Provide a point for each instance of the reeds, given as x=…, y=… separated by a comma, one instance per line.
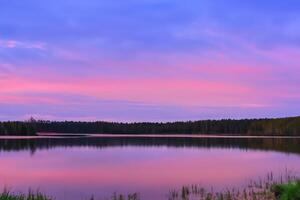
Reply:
x=268, y=188
x=134, y=196
x=7, y=195
x=261, y=189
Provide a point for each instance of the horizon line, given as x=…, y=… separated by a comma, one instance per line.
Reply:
x=151, y=122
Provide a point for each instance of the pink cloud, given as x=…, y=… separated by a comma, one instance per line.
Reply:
x=23, y=99
x=21, y=44
x=185, y=80
x=171, y=91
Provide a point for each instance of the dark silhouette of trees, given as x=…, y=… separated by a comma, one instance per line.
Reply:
x=17, y=128
x=280, y=126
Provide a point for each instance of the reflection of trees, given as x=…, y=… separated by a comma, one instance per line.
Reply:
x=288, y=145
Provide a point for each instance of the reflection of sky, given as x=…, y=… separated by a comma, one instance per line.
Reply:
x=78, y=172
x=140, y=60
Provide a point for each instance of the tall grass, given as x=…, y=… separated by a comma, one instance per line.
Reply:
x=7, y=195
x=269, y=188
x=134, y=196
x=280, y=188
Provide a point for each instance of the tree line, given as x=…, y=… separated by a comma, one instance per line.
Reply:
x=17, y=128
x=280, y=126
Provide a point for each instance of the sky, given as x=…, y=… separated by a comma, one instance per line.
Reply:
x=149, y=60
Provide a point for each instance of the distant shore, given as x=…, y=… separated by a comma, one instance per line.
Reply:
x=164, y=135
x=245, y=127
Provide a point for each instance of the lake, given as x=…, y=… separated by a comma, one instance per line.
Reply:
x=74, y=167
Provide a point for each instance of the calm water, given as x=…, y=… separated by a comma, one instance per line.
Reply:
x=74, y=168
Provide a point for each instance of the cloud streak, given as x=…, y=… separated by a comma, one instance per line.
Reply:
x=23, y=45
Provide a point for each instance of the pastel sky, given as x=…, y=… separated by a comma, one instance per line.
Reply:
x=149, y=60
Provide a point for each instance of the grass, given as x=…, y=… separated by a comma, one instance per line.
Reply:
x=134, y=196
x=270, y=188
x=7, y=195
x=289, y=191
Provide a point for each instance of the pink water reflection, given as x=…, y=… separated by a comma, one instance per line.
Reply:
x=76, y=173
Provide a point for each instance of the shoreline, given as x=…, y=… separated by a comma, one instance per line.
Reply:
x=42, y=135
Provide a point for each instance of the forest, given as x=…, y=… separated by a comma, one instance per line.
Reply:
x=279, y=126
x=17, y=128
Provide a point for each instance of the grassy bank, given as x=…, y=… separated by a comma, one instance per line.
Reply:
x=255, y=191
x=283, y=188
x=289, y=191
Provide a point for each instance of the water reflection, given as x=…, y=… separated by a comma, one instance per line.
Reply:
x=288, y=145
x=73, y=168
